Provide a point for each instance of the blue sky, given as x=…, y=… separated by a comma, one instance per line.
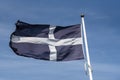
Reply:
x=103, y=30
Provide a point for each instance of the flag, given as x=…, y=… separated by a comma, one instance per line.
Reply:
x=47, y=42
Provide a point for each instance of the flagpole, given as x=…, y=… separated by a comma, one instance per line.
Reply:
x=87, y=57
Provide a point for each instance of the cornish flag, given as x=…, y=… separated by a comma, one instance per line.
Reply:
x=47, y=42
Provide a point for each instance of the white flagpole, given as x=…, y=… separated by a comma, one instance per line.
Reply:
x=87, y=51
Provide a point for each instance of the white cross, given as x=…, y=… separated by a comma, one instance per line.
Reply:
x=50, y=41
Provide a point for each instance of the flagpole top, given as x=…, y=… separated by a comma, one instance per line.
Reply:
x=82, y=15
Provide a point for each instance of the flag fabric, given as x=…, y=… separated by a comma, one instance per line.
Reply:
x=47, y=42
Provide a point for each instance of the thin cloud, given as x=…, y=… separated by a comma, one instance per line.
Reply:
x=94, y=14
x=5, y=32
x=108, y=68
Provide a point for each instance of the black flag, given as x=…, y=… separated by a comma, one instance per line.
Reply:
x=47, y=42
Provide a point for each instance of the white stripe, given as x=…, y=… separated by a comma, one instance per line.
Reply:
x=51, y=32
x=53, y=42
x=53, y=51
